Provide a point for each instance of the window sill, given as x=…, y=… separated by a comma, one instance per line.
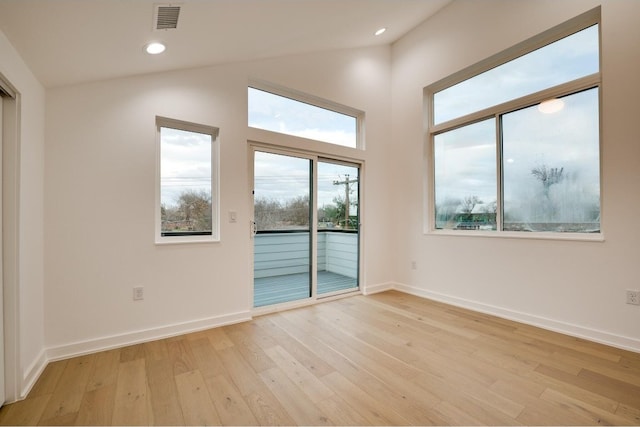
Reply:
x=182, y=240
x=580, y=237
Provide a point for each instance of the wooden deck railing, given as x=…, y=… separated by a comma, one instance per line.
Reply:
x=278, y=254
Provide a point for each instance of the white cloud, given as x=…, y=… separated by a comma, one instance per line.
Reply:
x=279, y=114
x=185, y=163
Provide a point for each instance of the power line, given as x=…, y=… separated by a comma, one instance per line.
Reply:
x=347, y=189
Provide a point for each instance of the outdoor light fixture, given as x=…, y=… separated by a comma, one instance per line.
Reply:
x=155, y=48
x=551, y=106
x=380, y=31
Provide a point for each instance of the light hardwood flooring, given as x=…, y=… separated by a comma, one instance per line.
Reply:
x=385, y=359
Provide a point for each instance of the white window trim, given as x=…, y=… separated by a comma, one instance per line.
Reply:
x=215, y=182
x=574, y=25
x=317, y=102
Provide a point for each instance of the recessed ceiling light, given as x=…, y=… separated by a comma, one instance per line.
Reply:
x=155, y=48
x=380, y=31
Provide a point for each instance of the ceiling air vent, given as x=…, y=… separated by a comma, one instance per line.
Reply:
x=166, y=17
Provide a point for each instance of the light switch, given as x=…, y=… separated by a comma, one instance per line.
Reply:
x=233, y=216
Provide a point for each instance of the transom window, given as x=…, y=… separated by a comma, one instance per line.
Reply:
x=285, y=111
x=514, y=142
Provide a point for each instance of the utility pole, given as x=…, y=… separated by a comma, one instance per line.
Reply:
x=347, y=189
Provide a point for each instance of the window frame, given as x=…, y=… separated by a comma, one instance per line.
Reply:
x=583, y=21
x=160, y=239
x=315, y=101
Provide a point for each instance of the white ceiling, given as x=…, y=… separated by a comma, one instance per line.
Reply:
x=72, y=41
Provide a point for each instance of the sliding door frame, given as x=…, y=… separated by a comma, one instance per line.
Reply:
x=358, y=165
x=14, y=379
x=312, y=222
x=316, y=151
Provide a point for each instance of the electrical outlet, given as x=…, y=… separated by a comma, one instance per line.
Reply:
x=138, y=293
x=633, y=296
x=414, y=265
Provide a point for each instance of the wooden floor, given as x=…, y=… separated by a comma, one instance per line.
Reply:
x=292, y=287
x=385, y=359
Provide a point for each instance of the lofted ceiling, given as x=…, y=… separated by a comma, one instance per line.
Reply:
x=72, y=41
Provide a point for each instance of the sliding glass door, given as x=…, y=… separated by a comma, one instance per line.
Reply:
x=338, y=226
x=282, y=238
x=306, y=227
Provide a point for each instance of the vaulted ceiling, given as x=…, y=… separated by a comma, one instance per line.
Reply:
x=71, y=41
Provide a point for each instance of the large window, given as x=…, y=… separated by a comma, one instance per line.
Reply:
x=187, y=196
x=285, y=111
x=514, y=142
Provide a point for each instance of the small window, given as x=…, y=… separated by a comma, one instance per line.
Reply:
x=515, y=140
x=317, y=119
x=187, y=208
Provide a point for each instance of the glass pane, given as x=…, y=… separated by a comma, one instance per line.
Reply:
x=465, y=177
x=338, y=220
x=281, y=192
x=552, y=166
x=567, y=59
x=280, y=114
x=185, y=182
x=282, y=244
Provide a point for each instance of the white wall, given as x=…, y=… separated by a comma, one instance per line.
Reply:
x=100, y=186
x=576, y=287
x=28, y=292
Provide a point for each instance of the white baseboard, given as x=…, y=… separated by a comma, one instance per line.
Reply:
x=137, y=337
x=374, y=289
x=32, y=373
x=626, y=343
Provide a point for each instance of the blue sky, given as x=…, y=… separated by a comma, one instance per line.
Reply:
x=279, y=114
x=565, y=60
x=569, y=139
x=466, y=158
x=281, y=178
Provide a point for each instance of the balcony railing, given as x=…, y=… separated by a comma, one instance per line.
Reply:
x=281, y=264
